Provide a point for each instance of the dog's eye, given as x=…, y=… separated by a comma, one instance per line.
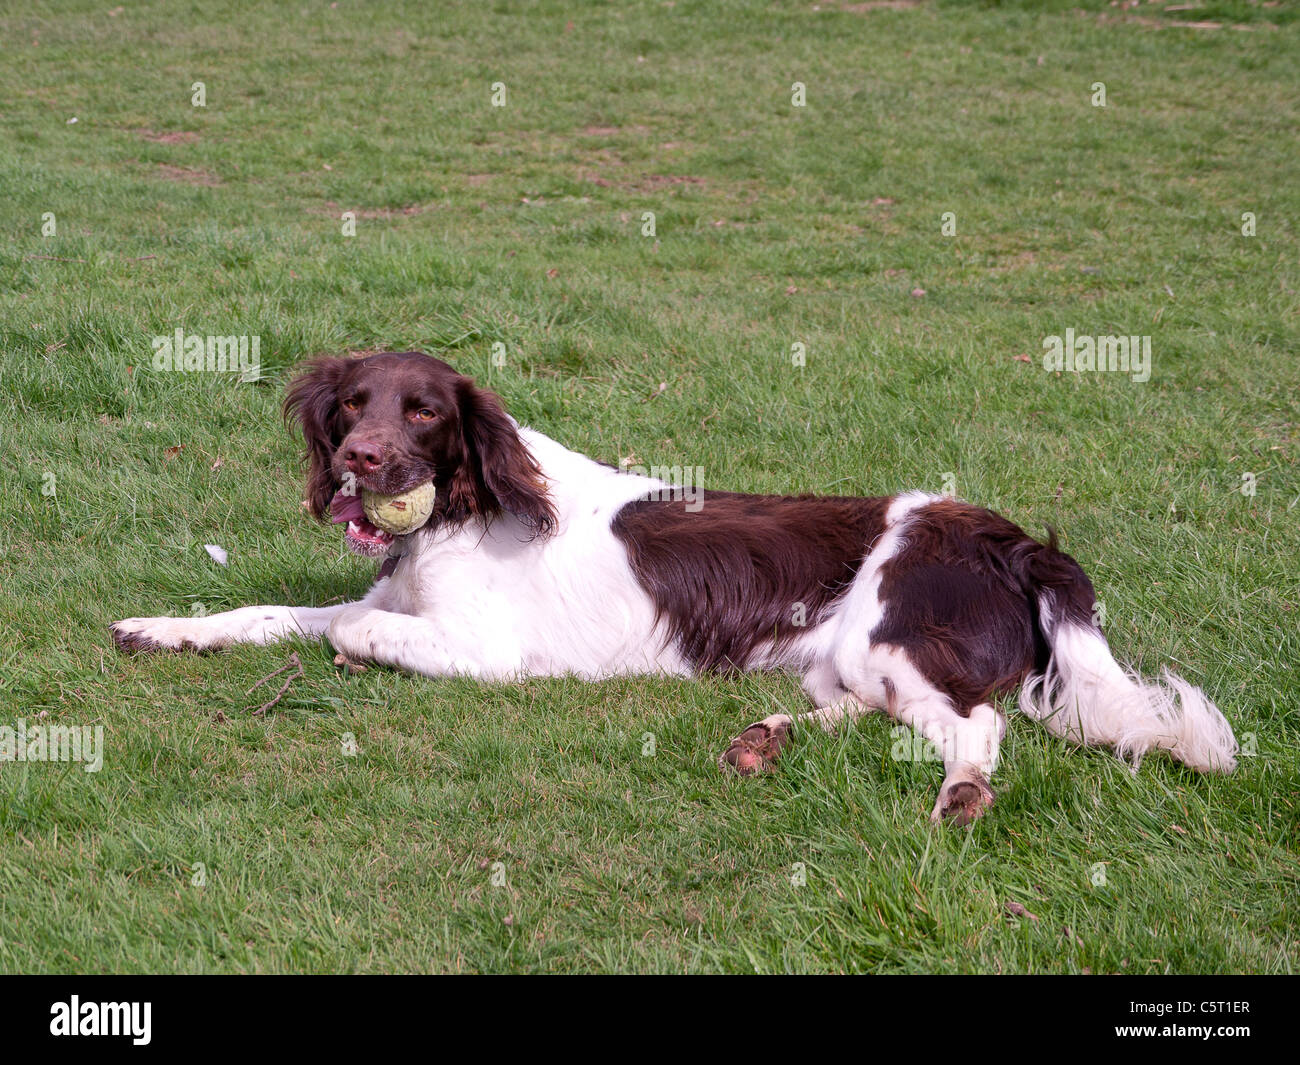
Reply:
x=424, y=414
x=351, y=405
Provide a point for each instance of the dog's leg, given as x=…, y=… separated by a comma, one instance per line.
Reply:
x=758, y=746
x=249, y=624
x=967, y=743
x=885, y=679
x=969, y=759
x=884, y=676
x=419, y=645
x=969, y=748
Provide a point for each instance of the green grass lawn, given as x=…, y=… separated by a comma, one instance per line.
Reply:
x=529, y=827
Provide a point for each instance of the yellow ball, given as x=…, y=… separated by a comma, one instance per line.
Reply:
x=402, y=513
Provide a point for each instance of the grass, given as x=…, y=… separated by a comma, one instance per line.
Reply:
x=523, y=828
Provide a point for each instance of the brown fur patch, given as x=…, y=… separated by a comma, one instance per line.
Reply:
x=962, y=597
x=745, y=569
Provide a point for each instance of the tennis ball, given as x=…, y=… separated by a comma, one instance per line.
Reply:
x=402, y=513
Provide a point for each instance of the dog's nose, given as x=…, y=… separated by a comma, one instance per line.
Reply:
x=363, y=456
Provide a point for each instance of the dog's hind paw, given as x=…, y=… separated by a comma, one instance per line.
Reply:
x=963, y=798
x=756, y=749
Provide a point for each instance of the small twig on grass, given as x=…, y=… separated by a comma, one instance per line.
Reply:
x=348, y=666
x=295, y=664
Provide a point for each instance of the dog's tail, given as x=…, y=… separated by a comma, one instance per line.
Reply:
x=1085, y=696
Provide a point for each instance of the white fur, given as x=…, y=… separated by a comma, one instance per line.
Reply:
x=248, y=624
x=501, y=604
x=493, y=603
x=832, y=655
x=849, y=640
x=1085, y=696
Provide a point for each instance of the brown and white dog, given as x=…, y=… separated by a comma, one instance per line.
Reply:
x=539, y=561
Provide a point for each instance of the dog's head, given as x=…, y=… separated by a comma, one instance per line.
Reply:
x=391, y=421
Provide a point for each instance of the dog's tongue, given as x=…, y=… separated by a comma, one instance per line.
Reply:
x=345, y=507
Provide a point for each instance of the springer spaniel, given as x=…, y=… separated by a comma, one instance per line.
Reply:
x=540, y=561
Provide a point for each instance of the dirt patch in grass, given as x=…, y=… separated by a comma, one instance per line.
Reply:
x=612, y=131
x=664, y=181
x=645, y=182
x=1152, y=23
x=1011, y=262
x=177, y=136
x=188, y=175
x=380, y=212
x=880, y=5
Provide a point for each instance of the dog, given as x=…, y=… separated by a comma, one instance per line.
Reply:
x=539, y=561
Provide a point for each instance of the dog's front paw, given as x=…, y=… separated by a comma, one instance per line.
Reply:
x=349, y=633
x=154, y=634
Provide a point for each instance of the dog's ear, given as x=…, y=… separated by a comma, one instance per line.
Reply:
x=499, y=473
x=313, y=402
